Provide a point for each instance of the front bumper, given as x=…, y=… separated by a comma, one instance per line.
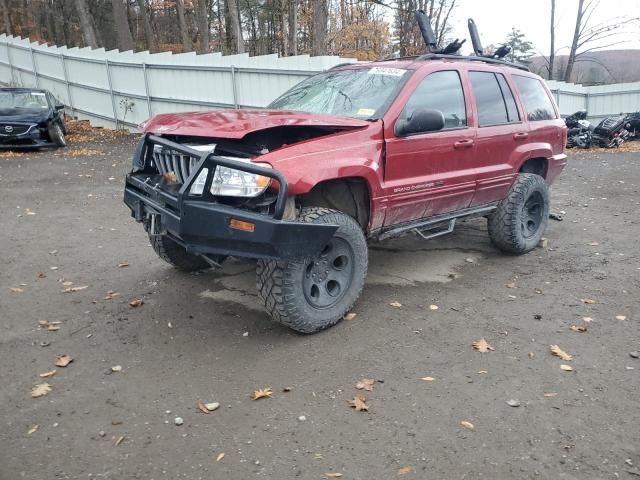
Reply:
x=33, y=138
x=203, y=225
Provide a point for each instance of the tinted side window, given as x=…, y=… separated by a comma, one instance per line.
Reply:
x=491, y=105
x=507, y=94
x=440, y=91
x=535, y=98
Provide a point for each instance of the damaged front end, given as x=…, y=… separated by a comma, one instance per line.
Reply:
x=214, y=201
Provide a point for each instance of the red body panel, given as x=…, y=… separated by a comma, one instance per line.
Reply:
x=408, y=177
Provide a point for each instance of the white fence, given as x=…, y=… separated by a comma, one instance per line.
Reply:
x=112, y=88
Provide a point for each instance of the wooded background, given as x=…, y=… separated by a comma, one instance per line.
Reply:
x=362, y=29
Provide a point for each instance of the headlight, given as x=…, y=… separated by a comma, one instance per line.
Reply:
x=229, y=182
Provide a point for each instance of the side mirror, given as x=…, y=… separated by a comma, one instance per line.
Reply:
x=59, y=106
x=420, y=121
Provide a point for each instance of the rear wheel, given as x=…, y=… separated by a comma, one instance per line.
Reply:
x=176, y=255
x=314, y=293
x=56, y=134
x=520, y=220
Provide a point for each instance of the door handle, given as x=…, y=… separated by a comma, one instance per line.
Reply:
x=463, y=144
x=520, y=135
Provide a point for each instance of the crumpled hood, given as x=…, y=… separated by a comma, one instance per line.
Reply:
x=18, y=115
x=238, y=123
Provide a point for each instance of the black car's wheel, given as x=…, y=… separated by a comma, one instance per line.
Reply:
x=176, y=255
x=311, y=294
x=520, y=220
x=56, y=134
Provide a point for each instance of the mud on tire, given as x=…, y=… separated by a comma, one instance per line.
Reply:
x=309, y=295
x=175, y=254
x=521, y=218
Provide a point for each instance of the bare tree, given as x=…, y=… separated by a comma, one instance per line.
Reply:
x=586, y=34
x=184, y=33
x=552, y=49
x=236, y=26
x=203, y=25
x=150, y=38
x=319, y=38
x=293, y=27
x=5, y=17
x=125, y=40
x=86, y=24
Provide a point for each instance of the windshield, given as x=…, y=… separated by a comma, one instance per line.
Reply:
x=363, y=93
x=28, y=100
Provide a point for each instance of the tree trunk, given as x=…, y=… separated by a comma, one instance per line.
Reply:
x=125, y=40
x=86, y=24
x=203, y=26
x=293, y=27
x=284, y=34
x=574, y=44
x=552, y=52
x=149, y=37
x=319, y=38
x=234, y=19
x=184, y=34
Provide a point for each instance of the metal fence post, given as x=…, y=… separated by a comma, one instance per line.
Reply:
x=66, y=82
x=34, y=67
x=113, y=100
x=234, y=86
x=146, y=87
x=10, y=63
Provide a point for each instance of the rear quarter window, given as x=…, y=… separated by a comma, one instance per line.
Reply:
x=535, y=98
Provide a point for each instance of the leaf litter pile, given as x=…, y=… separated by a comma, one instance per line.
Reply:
x=81, y=131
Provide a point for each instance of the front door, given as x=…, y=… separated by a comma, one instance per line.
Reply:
x=431, y=173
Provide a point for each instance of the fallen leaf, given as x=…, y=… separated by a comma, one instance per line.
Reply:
x=170, y=177
x=75, y=289
x=41, y=275
x=594, y=244
x=578, y=328
x=16, y=290
x=587, y=319
x=350, y=316
x=510, y=285
x=483, y=371
x=33, y=429
x=588, y=301
x=481, y=345
x=40, y=390
x=467, y=424
x=53, y=328
x=63, y=360
x=201, y=406
x=286, y=389
x=116, y=368
x=111, y=295
x=333, y=474
x=359, y=402
x=136, y=302
x=538, y=291
x=396, y=304
x=48, y=374
x=566, y=368
x=365, y=384
x=558, y=352
x=622, y=318
x=262, y=393
x=123, y=264
x=428, y=379
x=67, y=283
x=550, y=394
x=433, y=307
x=119, y=440
x=405, y=470
x=220, y=456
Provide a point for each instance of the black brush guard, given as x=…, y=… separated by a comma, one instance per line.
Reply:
x=203, y=225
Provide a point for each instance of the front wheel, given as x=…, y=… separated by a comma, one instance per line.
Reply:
x=176, y=254
x=56, y=134
x=519, y=222
x=311, y=294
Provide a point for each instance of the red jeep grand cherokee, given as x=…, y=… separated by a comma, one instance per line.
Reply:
x=364, y=151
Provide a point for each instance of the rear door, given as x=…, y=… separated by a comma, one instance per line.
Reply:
x=429, y=173
x=501, y=134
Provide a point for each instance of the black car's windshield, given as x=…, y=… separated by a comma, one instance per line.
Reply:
x=23, y=100
x=361, y=93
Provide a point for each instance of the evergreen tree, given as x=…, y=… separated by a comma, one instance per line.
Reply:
x=521, y=48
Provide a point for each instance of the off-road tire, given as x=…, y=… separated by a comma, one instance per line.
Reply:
x=176, y=255
x=56, y=134
x=282, y=284
x=512, y=228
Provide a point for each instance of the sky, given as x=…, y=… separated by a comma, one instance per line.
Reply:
x=496, y=18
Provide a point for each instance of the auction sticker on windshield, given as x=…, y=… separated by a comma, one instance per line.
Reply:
x=392, y=72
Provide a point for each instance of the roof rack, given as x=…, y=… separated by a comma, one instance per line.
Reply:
x=470, y=58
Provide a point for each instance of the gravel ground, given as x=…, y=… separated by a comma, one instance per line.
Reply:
x=202, y=337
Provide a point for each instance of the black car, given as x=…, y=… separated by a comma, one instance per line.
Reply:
x=30, y=118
